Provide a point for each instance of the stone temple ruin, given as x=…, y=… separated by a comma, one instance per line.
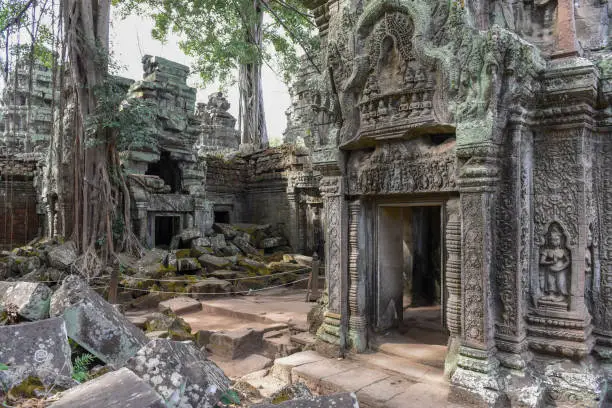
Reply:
x=452, y=154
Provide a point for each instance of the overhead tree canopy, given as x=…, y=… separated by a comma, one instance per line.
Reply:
x=215, y=32
x=229, y=36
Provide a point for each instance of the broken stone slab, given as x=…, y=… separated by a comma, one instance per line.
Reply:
x=117, y=389
x=180, y=369
x=236, y=343
x=185, y=265
x=343, y=400
x=95, y=324
x=224, y=274
x=213, y=263
x=274, y=242
x=225, y=229
x=39, y=349
x=63, y=256
x=210, y=286
x=181, y=304
x=31, y=299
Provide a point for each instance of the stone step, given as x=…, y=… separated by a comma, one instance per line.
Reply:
x=304, y=339
x=180, y=305
x=400, y=366
x=236, y=344
x=278, y=344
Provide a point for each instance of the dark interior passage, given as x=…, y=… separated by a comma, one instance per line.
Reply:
x=409, y=261
x=168, y=170
x=165, y=228
x=222, y=217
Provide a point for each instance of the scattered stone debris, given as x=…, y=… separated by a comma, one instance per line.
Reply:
x=95, y=324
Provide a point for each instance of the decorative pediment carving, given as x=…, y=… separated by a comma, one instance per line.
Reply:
x=399, y=90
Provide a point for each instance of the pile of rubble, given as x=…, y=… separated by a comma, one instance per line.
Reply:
x=68, y=347
x=229, y=259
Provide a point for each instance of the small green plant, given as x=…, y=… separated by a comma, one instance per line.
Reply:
x=81, y=365
x=3, y=367
x=230, y=397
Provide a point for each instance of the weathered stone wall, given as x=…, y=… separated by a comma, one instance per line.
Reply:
x=18, y=216
x=275, y=186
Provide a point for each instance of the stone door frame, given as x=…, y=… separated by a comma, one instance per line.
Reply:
x=365, y=220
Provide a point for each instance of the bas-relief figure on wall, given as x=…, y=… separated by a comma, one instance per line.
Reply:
x=555, y=267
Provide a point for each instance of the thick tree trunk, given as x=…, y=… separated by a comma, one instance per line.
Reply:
x=94, y=152
x=255, y=132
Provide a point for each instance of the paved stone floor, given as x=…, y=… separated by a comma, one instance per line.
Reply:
x=406, y=371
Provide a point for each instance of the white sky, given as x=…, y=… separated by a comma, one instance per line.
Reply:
x=131, y=39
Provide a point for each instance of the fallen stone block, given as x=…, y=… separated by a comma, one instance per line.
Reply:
x=95, y=324
x=236, y=343
x=225, y=229
x=118, y=389
x=22, y=265
x=258, y=268
x=201, y=242
x=31, y=299
x=213, y=263
x=187, y=236
x=209, y=286
x=224, y=274
x=186, y=265
x=230, y=250
x=181, y=304
x=245, y=246
x=39, y=349
x=180, y=369
x=63, y=256
x=274, y=242
x=217, y=242
x=343, y=400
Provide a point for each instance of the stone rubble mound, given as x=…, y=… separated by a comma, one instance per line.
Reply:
x=43, y=353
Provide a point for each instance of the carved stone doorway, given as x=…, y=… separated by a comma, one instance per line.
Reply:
x=409, y=276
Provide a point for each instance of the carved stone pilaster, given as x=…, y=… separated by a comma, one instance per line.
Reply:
x=356, y=296
x=453, y=267
x=477, y=364
x=336, y=220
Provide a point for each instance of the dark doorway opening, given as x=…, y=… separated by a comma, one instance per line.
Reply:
x=165, y=228
x=168, y=170
x=222, y=217
x=410, y=282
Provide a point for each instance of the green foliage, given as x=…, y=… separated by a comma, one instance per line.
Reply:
x=81, y=366
x=230, y=397
x=3, y=367
x=216, y=32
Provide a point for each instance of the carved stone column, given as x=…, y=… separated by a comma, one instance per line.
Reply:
x=295, y=236
x=141, y=217
x=477, y=365
x=335, y=212
x=356, y=295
